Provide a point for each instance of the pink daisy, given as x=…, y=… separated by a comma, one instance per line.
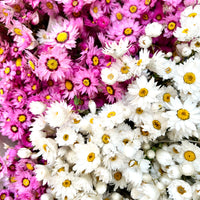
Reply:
x=33, y=3
x=32, y=61
x=109, y=5
x=4, y=48
x=49, y=7
x=96, y=9
x=25, y=140
x=25, y=165
x=117, y=14
x=4, y=193
x=53, y=65
x=86, y=82
x=158, y=13
x=146, y=18
x=8, y=71
x=3, y=167
x=146, y=5
x=73, y=6
x=6, y=13
x=127, y=28
x=15, y=51
x=31, y=85
x=64, y=35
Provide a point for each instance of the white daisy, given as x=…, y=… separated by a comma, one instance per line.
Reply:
x=58, y=114
x=145, y=41
x=143, y=92
x=109, y=75
x=117, y=50
x=43, y=36
x=103, y=174
x=179, y=190
x=118, y=180
x=182, y=116
x=195, y=44
x=87, y=158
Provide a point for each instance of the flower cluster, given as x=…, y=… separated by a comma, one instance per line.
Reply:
x=102, y=99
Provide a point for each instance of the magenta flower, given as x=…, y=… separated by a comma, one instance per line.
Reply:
x=49, y=7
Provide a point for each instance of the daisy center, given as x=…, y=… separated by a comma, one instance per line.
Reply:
x=125, y=69
x=75, y=3
x=156, y=124
x=110, y=76
x=69, y=85
x=159, y=17
x=139, y=111
x=189, y=78
x=119, y=16
x=133, y=9
x=192, y=15
x=49, y=5
x=22, y=118
x=17, y=8
x=19, y=98
x=1, y=91
x=95, y=9
x=18, y=31
x=117, y=176
x=29, y=166
x=76, y=121
x=175, y=150
x=171, y=26
x=3, y=196
x=34, y=87
x=50, y=83
x=143, y=92
x=1, y=51
x=132, y=163
x=66, y=183
x=185, y=31
x=5, y=13
x=139, y=62
x=31, y=64
x=189, y=156
x=91, y=120
x=45, y=147
x=91, y=157
x=107, y=1
x=126, y=141
x=95, y=60
x=181, y=190
x=111, y=114
x=145, y=17
x=65, y=137
x=7, y=70
x=15, y=49
x=105, y=139
x=25, y=182
x=86, y=82
x=166, y=97
x=62, y=169
x=113, y=158
x=144, y=133
x=62, y=37
x=48, y=97
x=147, y=2
x=168, y=70
x=183, y=114
x=19, y=62
x=197, y=44
x=128, y=31
x=110, y=90
x=14, y=128
x=12, y=179
x=52, y=64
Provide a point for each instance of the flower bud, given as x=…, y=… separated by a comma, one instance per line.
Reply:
x=24, y=153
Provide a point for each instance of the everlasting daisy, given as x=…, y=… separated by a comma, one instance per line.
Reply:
x=4, y=47
x=49, y=7
x=109, y=75
x=73, y=6
x=8, y=71
x=182, y=116
x=53, y=65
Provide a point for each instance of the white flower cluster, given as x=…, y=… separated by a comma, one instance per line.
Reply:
x=137, y=144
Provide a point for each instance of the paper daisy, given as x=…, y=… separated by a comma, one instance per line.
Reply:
x=49, y=7
x=109, y=75
x=53, y=65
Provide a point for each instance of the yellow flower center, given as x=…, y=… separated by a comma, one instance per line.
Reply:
x=48, y=97
x=175, y=150
x=18, y=31
x=12, y=179
x=125, y=69
x=139, y=62
x=128, y=31
x=107, y=1
x=1, y=51
x=105, y=139
x=181, y=190
x=50, y=83
x=86, y=82
x=113, y=158
x=197, y=44
x=110, y=90
x=119, y=16
x=3, y=196
x=110, y=76
x=95, y=9
x=5, y=13
x=14, y=128
x=52, y=64
x=74, y=3
x=156, y=124
x=144, y=133
x=22, y=118
x=147, y=2
x=168, y=70
x=117, y=176
x=95, y=60
x=19, y=62
x=145, y=17
x=65, y=137
x=66, y=183
x=185, y=31
x=1, y=91
x=189, y=156
x=62, y=37
x=69, y=85
x=189, y=78
x=76, y=121
x=126, y=141
x=166, y=97
x=34, y=87
x=91, y=157
x=17, y=8
x=19, y=98
x=158, y=17
x=15, y=49
x=143, y=92
x=29, y=166
x=192, y=15
x=132, y=163
x=62, y=169
x=91, y=120
x=31, y=64
x=49, y=5
x=133, y=9
x=183, y=114
x=111, y=114
x=7, y=70
x=139, y=111
x=171, y=26
x=45, y=147
x=26, y=182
